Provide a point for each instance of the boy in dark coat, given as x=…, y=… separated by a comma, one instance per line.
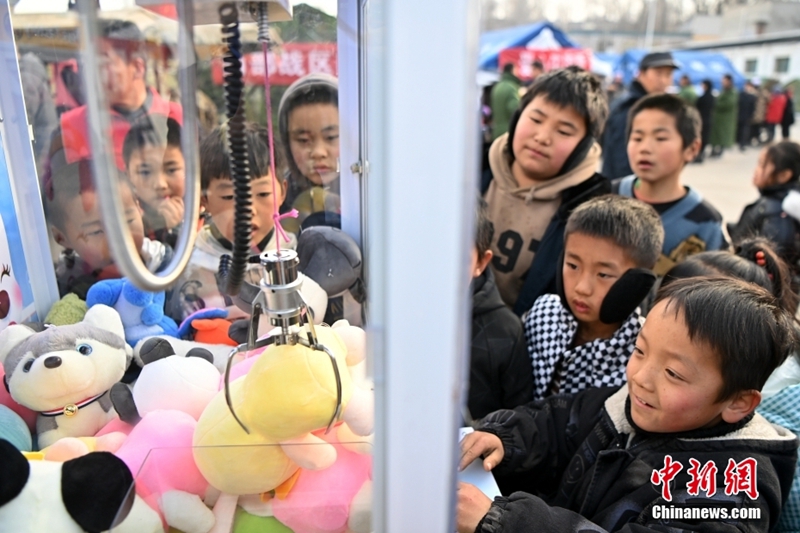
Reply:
x=500, y=372
x=679, y=448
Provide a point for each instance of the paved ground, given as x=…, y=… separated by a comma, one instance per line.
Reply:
x=727, y=182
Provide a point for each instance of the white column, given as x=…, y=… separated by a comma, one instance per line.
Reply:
x=423, y=149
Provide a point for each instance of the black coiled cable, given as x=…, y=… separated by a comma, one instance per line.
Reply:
x=232, y=269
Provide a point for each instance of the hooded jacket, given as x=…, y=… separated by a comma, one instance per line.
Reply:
x=320, y=204
x=500, y=371
x=529, y=221
x=615, y=141
x=594, y=470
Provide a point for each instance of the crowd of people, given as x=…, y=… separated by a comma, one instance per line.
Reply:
x=629, y=353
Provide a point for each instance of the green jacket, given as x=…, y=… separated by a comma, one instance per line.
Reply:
x=504, y=101
x=688, y=95
x=723, y=120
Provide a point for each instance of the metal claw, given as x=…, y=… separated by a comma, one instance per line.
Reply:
x=338, y=411
x=312, y=333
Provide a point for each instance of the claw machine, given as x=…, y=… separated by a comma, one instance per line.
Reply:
x=350, y=123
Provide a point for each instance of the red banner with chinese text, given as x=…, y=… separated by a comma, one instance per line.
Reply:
x=287, y=63
x=551, y=59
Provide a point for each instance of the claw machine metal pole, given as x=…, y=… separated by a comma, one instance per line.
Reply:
x=423, y=160
x=28, y=244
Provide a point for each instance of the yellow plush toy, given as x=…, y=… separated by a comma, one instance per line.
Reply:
x=289, y=392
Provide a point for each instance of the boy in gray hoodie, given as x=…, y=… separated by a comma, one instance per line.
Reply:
x=542, y=169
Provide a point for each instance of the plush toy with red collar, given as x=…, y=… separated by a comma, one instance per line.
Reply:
x=65, y=373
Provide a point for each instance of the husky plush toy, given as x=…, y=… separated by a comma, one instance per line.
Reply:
x=65, y=372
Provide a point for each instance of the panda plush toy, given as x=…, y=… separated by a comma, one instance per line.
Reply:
x=83, y=495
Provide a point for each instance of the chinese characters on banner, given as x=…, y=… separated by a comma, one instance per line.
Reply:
x=739, y=477
x=287, y=63
x=551, y=59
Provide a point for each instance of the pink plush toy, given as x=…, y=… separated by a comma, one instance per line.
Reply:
x=330, y=500
x=159, y=453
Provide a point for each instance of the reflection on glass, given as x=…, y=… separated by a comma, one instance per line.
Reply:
x=309, y=128
x=197, y=288
x=154, y=162
x=73, y=214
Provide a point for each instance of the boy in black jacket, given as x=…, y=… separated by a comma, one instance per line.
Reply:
x=679, y=448
x=500, y=371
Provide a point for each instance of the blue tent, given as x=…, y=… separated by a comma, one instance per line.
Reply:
x=493, y=42
x=698, y=65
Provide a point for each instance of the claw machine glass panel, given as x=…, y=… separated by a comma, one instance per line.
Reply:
x=185, y=132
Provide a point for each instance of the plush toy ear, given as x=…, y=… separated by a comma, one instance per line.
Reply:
x=95, y=488
x=14, y=472
x=106, y=318
x=122, y=400
x=11, y=337
x=626, y=294
x=238, y=330
x=155, y=348
x=202, y=353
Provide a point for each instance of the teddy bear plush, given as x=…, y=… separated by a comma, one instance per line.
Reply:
x=142, y=312
x=64, y=373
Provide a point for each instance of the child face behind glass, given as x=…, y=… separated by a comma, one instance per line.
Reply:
x=83, y=231
x=314, y=141
x=218, y=201
x=158, y=174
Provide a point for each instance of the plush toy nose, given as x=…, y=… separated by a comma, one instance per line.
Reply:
x=52, y=362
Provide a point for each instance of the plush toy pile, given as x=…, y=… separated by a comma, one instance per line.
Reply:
x=78, y=427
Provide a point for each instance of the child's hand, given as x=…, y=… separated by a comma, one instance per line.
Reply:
x=472, y=506
x=171, y=210
x=479, y=444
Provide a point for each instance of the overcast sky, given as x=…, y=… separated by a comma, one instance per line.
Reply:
x=54, y=6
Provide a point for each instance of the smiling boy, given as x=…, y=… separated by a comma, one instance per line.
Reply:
x=583, y=336
x=596, y=461
x=663, y=136
x=541, y=170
